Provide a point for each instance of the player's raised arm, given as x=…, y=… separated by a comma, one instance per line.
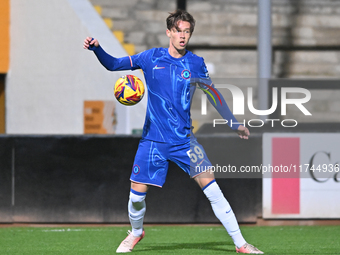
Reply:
x=109, y=62
x=89, y=42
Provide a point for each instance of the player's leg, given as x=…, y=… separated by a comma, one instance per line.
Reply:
x=149, y=168
x=220, y=206
x=224, y=213
x=212, y=191
x=197, y=166
x=136, y=209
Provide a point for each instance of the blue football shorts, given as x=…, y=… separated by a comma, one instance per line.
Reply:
x=152, y=160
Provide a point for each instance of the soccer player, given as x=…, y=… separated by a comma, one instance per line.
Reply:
x=171, y=76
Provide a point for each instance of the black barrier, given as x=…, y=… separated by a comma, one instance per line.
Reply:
x=85, y=179
x=6, y=181
x=72, y=179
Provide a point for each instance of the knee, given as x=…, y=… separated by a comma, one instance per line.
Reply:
x=137, y=200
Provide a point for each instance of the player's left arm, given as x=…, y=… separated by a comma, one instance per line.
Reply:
x=218, y=101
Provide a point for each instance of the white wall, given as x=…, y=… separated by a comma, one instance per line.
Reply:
x=51, y=74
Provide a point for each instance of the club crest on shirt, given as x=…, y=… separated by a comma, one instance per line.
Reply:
x=186, y=74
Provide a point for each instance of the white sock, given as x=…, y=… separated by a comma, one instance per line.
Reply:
x=224, y=212
x=137, y=208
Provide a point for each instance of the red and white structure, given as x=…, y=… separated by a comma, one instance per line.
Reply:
x=302, y=178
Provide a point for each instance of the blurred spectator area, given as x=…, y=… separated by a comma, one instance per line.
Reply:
x=306, y=33
x=305, y=38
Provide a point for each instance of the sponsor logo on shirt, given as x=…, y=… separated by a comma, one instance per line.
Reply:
x=158, y=67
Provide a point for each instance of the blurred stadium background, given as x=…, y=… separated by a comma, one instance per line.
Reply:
x=67, y=147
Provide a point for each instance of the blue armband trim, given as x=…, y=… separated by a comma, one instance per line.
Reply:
x=206, y=186
x=138, y=193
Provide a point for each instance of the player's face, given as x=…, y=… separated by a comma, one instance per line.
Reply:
x=179, y=37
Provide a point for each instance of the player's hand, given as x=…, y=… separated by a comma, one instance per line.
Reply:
x=89, y=41
x=243, y=132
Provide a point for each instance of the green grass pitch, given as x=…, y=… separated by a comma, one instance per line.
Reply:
x=168, y=240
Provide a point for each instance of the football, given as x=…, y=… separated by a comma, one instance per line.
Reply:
x=129, y=90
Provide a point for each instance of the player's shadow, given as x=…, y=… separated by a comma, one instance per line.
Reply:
x=216, y=246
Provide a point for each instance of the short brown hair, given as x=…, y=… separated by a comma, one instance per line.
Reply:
x=180, y=15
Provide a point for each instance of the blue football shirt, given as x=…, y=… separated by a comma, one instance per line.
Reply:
x=170, y=90
x=171, y=83
x=168, y=81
